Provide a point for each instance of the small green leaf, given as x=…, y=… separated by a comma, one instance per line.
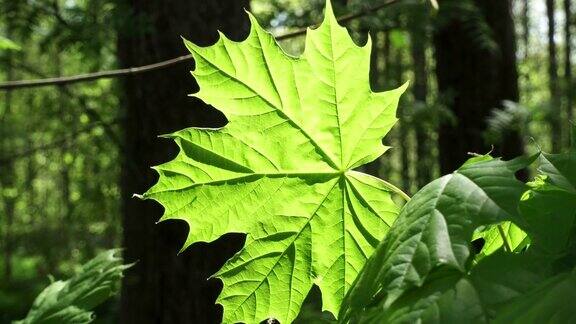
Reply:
x=559, y=168
x=549, y=208
x=550, y=213
x=6, y=44
x=516, y=238
x=71, y=301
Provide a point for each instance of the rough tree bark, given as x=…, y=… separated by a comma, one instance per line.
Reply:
x=476, y=80
x=555, y=114
x=164, y=287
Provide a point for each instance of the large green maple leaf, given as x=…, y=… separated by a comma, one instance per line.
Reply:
x=281, y=170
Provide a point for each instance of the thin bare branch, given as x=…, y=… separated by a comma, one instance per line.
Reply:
x=91, y=112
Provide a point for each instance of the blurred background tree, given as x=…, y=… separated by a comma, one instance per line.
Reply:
x=155, y=290
x=486, y=75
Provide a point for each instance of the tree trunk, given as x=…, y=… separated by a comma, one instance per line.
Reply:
x=7, y=183
x=7, y=172
x=569, y=92
x=68, y=223
x=403, y=125
x=386, y=164
x=418, y=44
x=164, y=287
x=476, y=80
x=526, y=28
x=555, y=113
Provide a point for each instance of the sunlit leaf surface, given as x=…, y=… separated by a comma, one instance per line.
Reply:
x=281, y=170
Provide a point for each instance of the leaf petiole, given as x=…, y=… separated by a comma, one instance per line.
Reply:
x=396, y=190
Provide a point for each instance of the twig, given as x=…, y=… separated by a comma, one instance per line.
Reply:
x=82, y=101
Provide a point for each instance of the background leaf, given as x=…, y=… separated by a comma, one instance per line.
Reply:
x=516, y=238
x=71, y=301
x=6, y=44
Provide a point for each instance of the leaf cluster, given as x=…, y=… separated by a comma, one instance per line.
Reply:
x=425, y=270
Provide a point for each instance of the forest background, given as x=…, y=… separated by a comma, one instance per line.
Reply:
x=486, y=75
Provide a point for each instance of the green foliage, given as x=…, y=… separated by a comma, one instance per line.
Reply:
x=65, y=164
x=434, y=230
x=505, y=235
x=59, y=189
x=423, y=270
x=6, y=44
x=552, y=301
x=71, y=301
x=467, y=13
x=513, y=117
x=282, y=171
